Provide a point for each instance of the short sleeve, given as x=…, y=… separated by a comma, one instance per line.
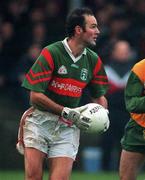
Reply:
x=40, y=73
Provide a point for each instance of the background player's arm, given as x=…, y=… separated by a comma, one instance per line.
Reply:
x=135, y=94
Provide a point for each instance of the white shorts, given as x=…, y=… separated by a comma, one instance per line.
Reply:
x=45, y=132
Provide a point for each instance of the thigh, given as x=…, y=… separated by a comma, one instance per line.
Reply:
x=60, y=168
x=33, y=163
x=130, y=163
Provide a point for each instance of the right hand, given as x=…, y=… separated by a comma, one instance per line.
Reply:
x=70, y=114
x=74, y=115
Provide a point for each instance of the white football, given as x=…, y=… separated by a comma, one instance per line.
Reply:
x=99, y=118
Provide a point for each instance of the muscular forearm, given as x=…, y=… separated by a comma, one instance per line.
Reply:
x=40, y=100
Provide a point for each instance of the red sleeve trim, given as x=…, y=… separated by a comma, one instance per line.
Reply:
x=48, y=57
x=36, y=81
x=34, y=75
x=97, y=67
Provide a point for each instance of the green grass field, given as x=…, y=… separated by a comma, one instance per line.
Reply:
x=19, y=175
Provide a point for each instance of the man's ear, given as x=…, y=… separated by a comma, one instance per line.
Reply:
x=78, y=29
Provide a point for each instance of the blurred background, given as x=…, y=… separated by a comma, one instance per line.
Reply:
x=26, y=26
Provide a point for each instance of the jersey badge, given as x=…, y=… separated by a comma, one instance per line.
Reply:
x=62, y=70
x=84, y=74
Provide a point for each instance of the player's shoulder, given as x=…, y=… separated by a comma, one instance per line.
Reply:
x=139, y=64
x=54, y=45
x=139, y=68
x=93, y=55
x=91, y=52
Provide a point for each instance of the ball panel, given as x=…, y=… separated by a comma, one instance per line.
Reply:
x=99, y=118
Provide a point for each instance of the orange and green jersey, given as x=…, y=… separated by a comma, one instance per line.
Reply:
x=61, y=79
x=135, y=93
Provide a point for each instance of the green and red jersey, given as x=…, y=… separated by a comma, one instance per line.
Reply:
x=61, y=79
x=135, y=93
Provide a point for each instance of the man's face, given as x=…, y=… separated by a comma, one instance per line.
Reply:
x=90, y=34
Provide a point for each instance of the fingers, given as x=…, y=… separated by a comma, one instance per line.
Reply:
x=74, y=115
x=84, y=123
x=70, y=114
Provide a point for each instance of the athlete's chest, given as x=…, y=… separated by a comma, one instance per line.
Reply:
x=65, y=67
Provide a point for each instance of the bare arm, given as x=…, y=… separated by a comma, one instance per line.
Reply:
x=101, y=100
x=41, y=100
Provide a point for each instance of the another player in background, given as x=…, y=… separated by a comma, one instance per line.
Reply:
x=120, y=61
x=56, y=80
x=133, y=142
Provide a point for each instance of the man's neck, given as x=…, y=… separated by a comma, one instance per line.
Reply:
x=76, y=47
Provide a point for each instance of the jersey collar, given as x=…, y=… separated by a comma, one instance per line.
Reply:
x=69, y=51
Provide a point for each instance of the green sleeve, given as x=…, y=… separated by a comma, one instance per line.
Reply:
x=135, y=94
x=39, y=75
x=99, y=83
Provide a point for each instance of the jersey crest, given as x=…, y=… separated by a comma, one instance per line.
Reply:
x=84, y=74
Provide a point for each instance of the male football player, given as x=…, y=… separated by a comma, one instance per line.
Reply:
x=133, y=141
x=56, y=81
